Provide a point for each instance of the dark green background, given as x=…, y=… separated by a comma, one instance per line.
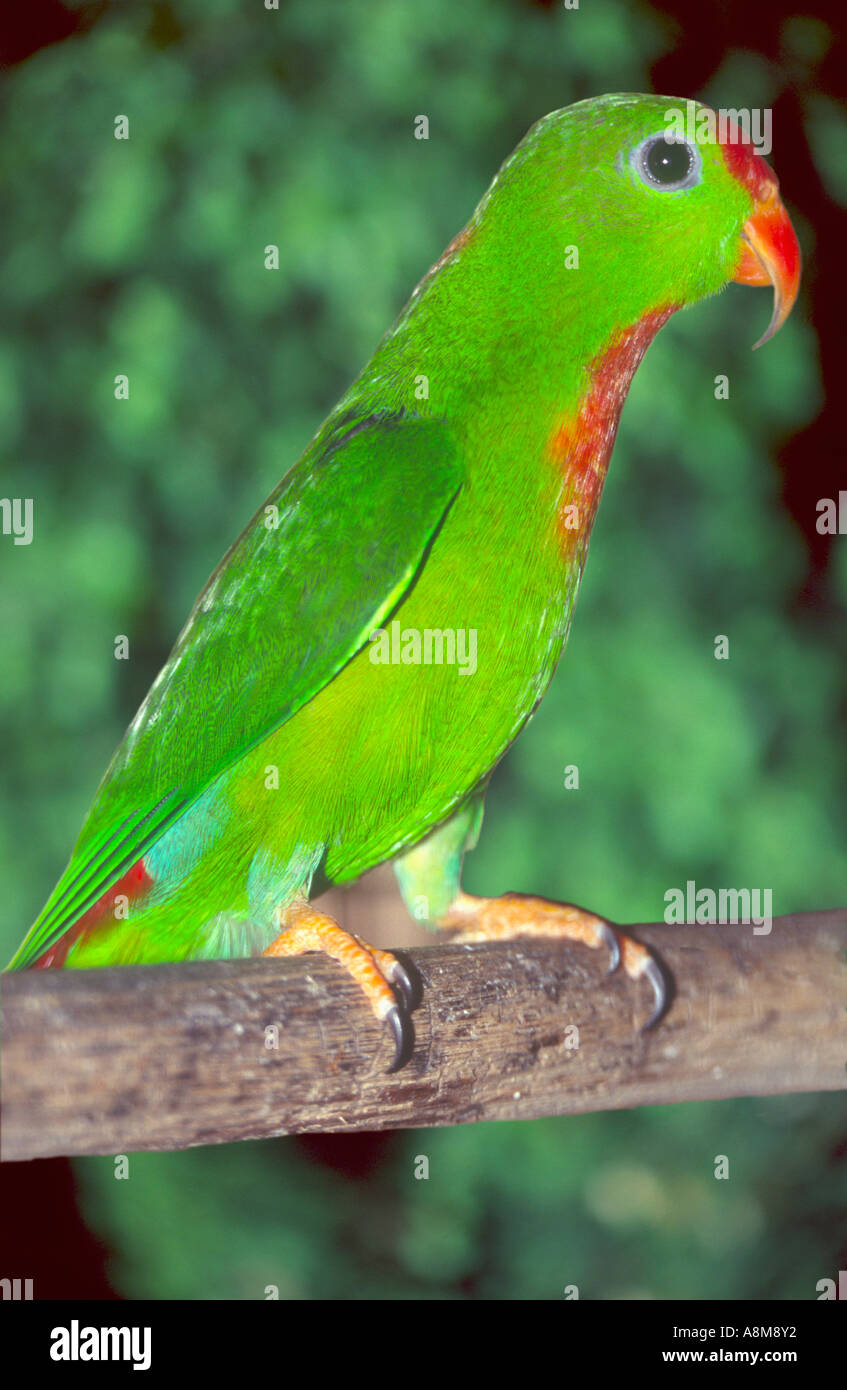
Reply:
x=251, y=127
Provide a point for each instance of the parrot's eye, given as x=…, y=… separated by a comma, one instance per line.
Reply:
x=667, y=164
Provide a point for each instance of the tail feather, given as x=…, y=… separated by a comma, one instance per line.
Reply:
x=132, y=885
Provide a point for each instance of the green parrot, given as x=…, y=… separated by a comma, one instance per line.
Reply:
x=385, y=625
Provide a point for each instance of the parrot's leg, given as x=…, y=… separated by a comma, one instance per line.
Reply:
x=378, y=973
x=430, y=881
x=519, y=914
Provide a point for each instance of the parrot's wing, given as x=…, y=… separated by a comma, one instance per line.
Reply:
x=323, y=563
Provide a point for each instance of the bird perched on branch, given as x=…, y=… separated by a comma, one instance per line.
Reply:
x=382, y=629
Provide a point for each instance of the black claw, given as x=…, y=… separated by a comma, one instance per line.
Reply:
x=400, y=1027
x=655, y=975
x=610, y=940
x=402, y=985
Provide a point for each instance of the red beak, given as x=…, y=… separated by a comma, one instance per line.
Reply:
x=769, y=254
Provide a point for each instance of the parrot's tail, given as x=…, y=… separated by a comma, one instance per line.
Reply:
x=133, y=885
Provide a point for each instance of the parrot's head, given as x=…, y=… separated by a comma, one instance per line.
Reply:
x=659, y=201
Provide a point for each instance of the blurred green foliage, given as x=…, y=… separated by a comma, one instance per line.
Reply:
x=250, y=127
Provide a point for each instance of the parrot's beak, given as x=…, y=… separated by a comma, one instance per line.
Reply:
x=770, y=255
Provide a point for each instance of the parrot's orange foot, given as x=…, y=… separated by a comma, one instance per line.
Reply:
x=518, y=914
x=378, y=973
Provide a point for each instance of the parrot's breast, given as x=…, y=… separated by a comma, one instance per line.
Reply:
x=581, y=446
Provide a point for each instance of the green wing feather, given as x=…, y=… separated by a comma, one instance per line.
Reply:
x=327, y=558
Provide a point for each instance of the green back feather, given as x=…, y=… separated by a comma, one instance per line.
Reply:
x=322, y=563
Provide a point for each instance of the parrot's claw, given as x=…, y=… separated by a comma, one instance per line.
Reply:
x=516, y=915
x=384, y=982
x=398, y=977
x=400, y=1026
x=661, y=994
x=610, y=940
x=640, y=962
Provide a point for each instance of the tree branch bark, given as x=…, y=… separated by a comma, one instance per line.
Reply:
x=165, y=1057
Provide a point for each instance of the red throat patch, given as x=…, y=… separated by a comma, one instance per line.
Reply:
x=583, y=445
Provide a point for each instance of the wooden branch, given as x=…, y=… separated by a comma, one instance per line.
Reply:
x=164, y=1057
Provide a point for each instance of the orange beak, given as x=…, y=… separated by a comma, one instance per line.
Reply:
x=770, y=255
